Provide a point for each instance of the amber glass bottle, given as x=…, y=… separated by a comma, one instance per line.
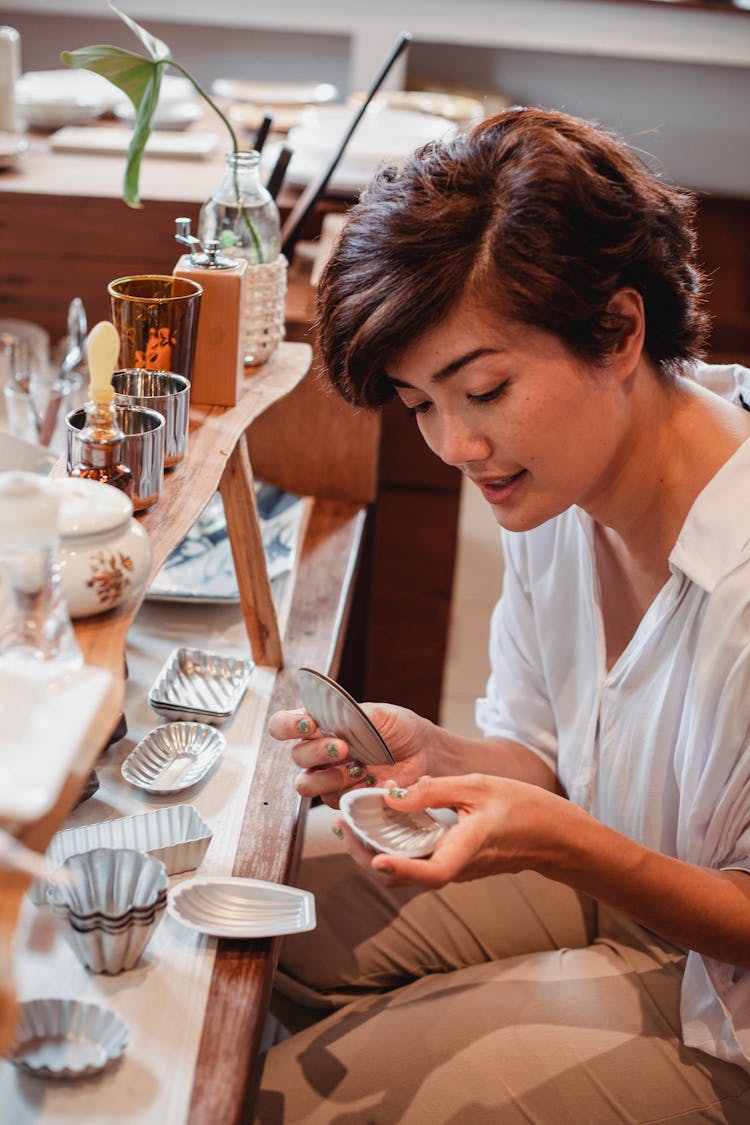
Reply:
x=101, y=454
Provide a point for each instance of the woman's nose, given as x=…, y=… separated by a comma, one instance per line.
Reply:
x=460, y=443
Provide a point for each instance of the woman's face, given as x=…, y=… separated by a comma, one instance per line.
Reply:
x=533, y=426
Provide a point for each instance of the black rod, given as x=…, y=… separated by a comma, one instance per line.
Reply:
x=314, y=190
x=275, y=179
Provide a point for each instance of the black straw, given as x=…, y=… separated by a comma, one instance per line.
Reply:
x=263, y=131
x=274, y=181
x=314, y=190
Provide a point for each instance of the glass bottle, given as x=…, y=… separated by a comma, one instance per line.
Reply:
x=241, y=214
x=101, y=448
x=35, y=626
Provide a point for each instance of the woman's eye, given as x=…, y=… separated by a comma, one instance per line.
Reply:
x=420, y=408
x=489, y=396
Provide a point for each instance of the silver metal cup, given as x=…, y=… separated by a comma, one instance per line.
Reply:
x=142, y=448
x=166, y=392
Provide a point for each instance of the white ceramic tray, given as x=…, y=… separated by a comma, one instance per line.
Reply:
x=228, y=906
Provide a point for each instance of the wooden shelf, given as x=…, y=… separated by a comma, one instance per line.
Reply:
x=216, y=458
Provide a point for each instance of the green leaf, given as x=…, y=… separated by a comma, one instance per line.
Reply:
x=158, y=50
x=130, y=72
x=140, y=79
x=141, y=132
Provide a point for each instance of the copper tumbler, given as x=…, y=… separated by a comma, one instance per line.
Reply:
x=156, y=318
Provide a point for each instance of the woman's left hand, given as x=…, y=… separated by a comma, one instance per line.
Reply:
x=503, y=826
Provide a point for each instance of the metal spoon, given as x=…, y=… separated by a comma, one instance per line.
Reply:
x=77, y=327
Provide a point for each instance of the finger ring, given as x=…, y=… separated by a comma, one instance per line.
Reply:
x=355, y=769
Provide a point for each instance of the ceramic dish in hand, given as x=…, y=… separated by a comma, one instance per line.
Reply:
x=338, y=714
x=228, y=906
x=173, y=757
x=58, y=1038
x=195, y=684
x=395, y=832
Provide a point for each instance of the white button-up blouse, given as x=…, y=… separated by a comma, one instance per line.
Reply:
x=658, y=747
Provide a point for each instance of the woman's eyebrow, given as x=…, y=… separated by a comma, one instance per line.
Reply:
x=452, y=367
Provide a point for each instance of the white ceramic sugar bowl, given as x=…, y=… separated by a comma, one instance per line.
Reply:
x=105, y=555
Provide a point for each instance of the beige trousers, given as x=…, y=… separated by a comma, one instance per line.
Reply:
x=509, y=1000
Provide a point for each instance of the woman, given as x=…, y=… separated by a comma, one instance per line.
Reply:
x=577, y=948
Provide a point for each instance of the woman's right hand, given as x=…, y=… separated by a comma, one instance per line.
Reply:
x=328, y=769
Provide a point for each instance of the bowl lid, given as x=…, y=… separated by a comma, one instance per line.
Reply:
x=88, y=507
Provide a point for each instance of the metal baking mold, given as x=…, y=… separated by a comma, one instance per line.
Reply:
x=176, y=834
x=59, y=1038
x=394, y=831
x=337, y=713
x=173, y=757
x=105, y=950
x=195, y=684
x=109, y=885
x=229, y=906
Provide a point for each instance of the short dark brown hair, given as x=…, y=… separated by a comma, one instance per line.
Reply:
x=538, y=214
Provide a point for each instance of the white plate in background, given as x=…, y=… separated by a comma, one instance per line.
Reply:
x=115, y=141
x=178, y=105
x=49, y=99
x=383, y=135
x=275, y=93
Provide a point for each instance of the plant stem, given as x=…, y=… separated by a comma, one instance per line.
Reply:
x=235, y=149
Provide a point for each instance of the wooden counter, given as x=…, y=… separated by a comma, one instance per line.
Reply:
x=312, y=633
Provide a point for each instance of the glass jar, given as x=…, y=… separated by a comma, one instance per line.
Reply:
x=243, y=217
x=241, y=214
x=35, y=626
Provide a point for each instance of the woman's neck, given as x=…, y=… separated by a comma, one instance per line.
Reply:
x=679, y=437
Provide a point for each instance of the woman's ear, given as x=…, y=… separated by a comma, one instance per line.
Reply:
x=626, y=308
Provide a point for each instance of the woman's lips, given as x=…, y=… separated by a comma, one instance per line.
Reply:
x=499, y=489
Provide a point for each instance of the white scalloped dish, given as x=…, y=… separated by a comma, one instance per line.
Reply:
x=393, y=831
x=232, y=907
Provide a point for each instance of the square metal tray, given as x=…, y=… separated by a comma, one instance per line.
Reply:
x=195, y=684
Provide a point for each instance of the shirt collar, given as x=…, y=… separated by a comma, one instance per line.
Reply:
x=716, y=534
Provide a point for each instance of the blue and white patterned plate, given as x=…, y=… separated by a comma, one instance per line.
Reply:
x=201, y=568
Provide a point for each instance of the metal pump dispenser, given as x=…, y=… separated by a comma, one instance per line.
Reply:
x=208, y=257
x=218, y=369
